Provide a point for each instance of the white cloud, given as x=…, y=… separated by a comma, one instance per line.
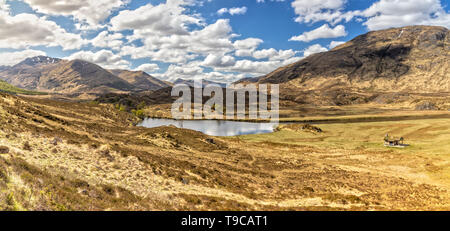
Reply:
x=273, y=54
x=233, y=11
x=219, y=61
x=222, y=11
x=87, y=12
x=12, y=58
x=253, y=67
x=396, y=13
x=238, y=10
x=246, y=47
x=334, y=44
x=27, y=30
x=163, y=19
x=313, y=49
x=212, y=39
x=148, y=67
x=247, y=44
x=108, y=40
x=192, y=71
x=311, y=11
x=322, y=32
x=105, y=58
x=262, y=1
x=4, y=7
x=380, y=15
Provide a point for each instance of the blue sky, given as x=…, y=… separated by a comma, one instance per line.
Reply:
x=221, y=40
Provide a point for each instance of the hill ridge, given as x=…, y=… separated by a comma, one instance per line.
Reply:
x=410, y=59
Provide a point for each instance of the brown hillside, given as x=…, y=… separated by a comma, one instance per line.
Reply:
x=409, y=59
x=140, y=79
x=77, y=76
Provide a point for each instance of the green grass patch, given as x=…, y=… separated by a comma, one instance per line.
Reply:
x=8, y=88
x=430, y=136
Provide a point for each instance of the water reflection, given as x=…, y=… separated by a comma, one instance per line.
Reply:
x=213, y=127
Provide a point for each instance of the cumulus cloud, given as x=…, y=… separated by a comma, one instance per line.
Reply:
x=219, y=61
x=165, y=33
x=396, y=13
x=313, y=49
x=87, y=12
x=311, y=11
x=322, y=32
x=273, y=54
x=106, y=39
x=245, y=47
x=12, y=58
x=380, y=15
x=262, y=1
x=193, y=71
x=334, y=44
x=233, y=11
x=105, y=58
x=27, y=30
x=148, y=67
x=163, y=19
x=212, y=39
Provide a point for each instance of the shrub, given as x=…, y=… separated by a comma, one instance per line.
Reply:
x=27, y=146
x=4, y=150
x=139, y=113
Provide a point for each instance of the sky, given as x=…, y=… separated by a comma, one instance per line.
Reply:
x=218, y=40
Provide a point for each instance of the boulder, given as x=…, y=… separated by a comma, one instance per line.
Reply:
x=4, y=150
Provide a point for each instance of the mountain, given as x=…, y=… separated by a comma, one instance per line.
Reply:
x=204, y=83
x=140, y=80
x=411, y=59
x=74, y=76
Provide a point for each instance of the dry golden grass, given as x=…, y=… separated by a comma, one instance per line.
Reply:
x=344, y=168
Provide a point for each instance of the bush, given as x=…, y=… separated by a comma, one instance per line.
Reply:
x=139, y=113
x=4, y=150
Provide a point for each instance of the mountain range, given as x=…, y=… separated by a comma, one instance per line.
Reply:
x=54, y=75
x=413, y=59
x=191, y=83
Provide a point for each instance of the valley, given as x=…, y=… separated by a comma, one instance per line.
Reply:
x=106, y=163
x=69, y=138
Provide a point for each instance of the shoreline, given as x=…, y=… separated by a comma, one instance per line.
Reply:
x=324, y=120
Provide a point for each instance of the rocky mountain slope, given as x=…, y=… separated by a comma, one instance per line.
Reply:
x=140, y=80
x=75, y=76
x=409, y=59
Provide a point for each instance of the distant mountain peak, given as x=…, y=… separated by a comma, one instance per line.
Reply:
x=192, y=83
x=48, y=74
x=412, y=59
x=39, y=60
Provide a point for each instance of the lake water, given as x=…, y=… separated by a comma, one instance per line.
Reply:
x=213, y=127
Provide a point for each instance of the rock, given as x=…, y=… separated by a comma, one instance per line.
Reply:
x=4, y=150
x=311, y=128
x=106, y=153
x=27, y=146
x=426, y=106
x=184, y=180
x=211, y=141
x=56, y=140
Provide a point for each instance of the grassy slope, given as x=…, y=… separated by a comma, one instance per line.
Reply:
x=428, y=135
x=344, y=168
x=428, y=140
x=6, y=87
